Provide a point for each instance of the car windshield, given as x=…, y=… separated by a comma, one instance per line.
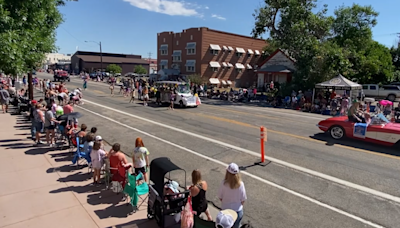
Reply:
x=379, y=119
x=182, y=89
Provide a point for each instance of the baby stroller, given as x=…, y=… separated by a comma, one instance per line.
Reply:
x=163, y=206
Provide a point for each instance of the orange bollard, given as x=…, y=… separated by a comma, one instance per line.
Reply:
x=368, y=107
x=262, y=140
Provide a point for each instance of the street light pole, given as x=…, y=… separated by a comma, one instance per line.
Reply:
x=101, y=60
x=101, y=56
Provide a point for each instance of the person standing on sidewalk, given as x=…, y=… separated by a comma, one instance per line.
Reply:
x=32, y=110
x=38, y=115
x=232, y=192
x=145, y=95
x=4, y=99
x=50, y=125
x=140, y=158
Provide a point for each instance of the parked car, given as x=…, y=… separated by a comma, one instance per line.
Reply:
x=379, y=131
x=389, y=92
x=61, y=76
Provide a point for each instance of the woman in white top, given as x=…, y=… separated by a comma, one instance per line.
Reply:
x=140, y=158
x=232, y=192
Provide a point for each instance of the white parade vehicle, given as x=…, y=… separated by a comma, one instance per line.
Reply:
x=183, y=95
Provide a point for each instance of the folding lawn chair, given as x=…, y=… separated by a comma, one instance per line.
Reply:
x=80, y=154
x=200, y=223
x=136, y=192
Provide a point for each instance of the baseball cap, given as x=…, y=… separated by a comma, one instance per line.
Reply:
x=33, y=101
x=98, y=138
x=225, y=218
x=233, y=168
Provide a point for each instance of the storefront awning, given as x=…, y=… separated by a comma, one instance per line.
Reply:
x=250, y=52
x=240, y=50
x=230, y=48
x=215, y=47
x=223, y=82
x=215, y=64
x=190, y=63
x=249, y=67
x=214, y=81
x=257, y=52
x=239, y=66
x=164, y=47
x=224, y=64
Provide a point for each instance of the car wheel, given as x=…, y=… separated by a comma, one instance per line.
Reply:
x=391, y=97
x=337, y=132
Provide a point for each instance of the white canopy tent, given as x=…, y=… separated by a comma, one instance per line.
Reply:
x=338, y=83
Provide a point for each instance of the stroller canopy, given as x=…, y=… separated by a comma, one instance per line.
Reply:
x=159, y=167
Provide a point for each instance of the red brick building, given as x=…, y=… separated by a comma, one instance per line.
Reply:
x=228, y=57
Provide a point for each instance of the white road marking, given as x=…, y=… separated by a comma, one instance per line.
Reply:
x=337, y=210
x=268, y=110
x=277, y=161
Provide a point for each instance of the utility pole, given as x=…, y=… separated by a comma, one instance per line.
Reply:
x=101, y=60
x=149, y=62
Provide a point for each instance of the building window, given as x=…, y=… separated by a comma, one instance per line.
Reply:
x=191, y=48
x=164, y=64
x=215, y=66
x=214, y=69
x=214, y=52
x=163, y=40
x=164, y=49
x=177, y=56
x=190, y=65
x=177, y=42
x=240, y=52
x=191, y=37
x=214, y=49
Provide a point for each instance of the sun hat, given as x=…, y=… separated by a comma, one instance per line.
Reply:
x=98, y=138
x=233, y=168
x=226, y=218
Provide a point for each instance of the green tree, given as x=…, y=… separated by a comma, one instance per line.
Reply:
x=114, y=68
x=325, y=46
x=196, y=79
x=27, y=33
x=139, y=69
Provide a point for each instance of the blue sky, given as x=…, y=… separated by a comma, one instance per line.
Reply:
x=131, y=26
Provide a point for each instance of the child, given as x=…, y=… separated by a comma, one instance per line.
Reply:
x=100, y=139
x=97, y=156
x=132, y=96
x=140, y=158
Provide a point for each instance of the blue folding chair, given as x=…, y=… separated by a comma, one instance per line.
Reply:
x=80, y=154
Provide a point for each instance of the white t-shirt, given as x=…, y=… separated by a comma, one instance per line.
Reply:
x=63, y=95
x=139, y=153
x=232, y=198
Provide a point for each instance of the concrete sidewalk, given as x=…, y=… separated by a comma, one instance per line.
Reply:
x=41, y=188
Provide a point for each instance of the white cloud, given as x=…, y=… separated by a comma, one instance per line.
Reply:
x=169, y=7
x=218, y=17
x=206, y=7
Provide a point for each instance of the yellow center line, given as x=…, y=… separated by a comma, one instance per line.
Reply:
x=288, y=134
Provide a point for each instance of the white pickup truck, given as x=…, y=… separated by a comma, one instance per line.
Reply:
x=389, y=92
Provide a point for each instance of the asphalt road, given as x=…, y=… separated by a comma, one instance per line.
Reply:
x=310, y=181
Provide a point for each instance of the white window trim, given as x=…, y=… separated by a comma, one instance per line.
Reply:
x=194, y=49
x=214, y=52
x=164, y=52
x=194, y=66
x=174, y=58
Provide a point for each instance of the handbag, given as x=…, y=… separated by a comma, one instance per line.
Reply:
x=187, y=215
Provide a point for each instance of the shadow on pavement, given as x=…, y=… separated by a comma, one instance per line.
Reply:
x=10, y=140
x=141, y=223
x=65, y=168
x=356, y=144
x=38, y=150
x=120, y=211
x=104, y=196
x=76, y=177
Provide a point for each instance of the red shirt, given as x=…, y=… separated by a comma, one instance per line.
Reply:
x=68, y=109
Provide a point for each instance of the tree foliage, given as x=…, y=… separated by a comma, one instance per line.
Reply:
x=196, y=79
x=114, y=68
x=27, y=32
x=139, y=69
x=325, y=46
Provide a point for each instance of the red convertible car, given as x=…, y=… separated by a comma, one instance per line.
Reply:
x=380, y=130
